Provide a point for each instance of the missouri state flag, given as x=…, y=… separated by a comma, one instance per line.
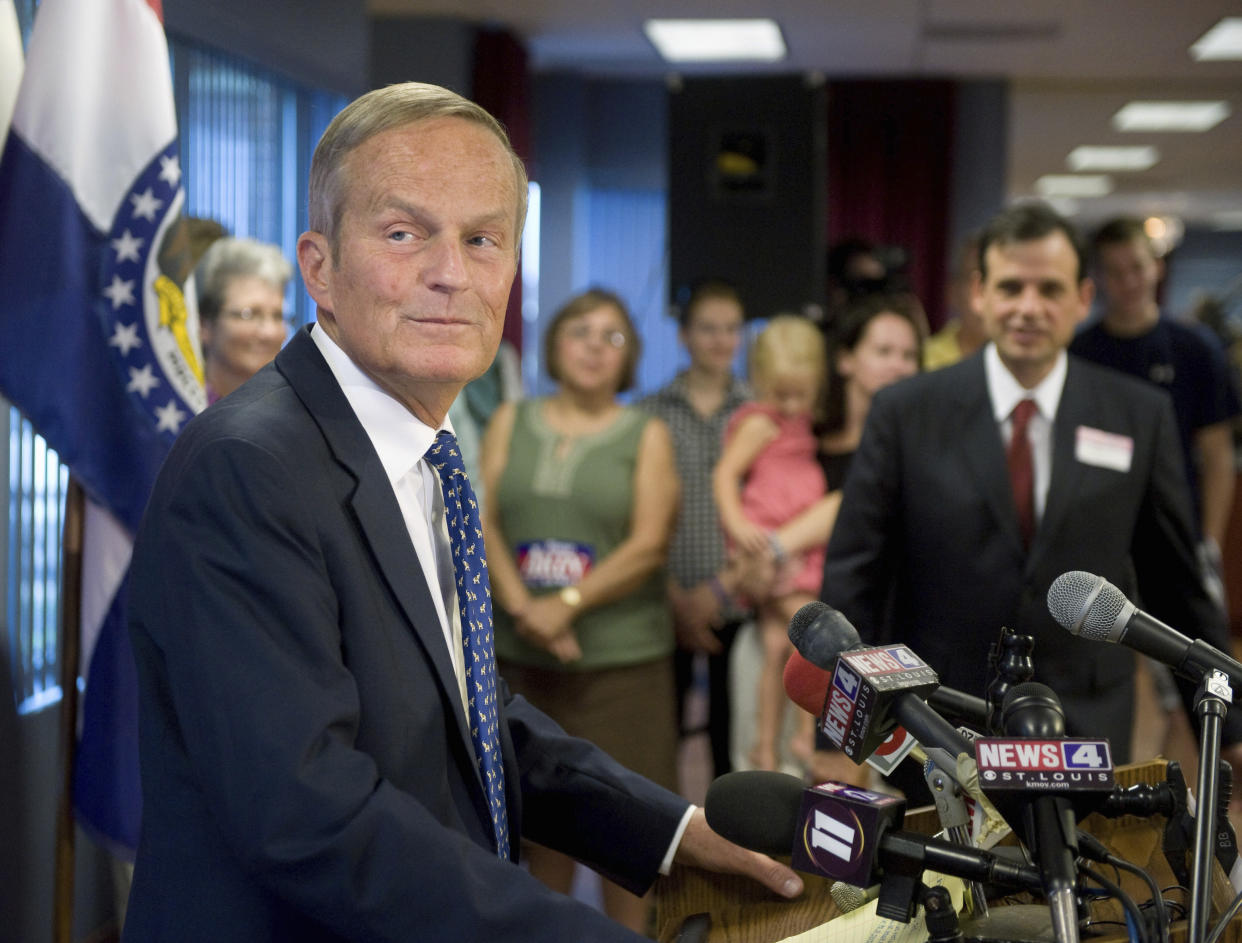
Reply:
x=98, y=332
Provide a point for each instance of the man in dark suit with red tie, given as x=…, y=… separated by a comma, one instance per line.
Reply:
x=327, y=753
x=977, y=485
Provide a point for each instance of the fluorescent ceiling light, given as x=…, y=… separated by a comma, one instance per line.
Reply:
x=1074, y=185
x=1227, y=220
x=1111, y=158
x=1065, y=205
x=1171, y=116
x=716, y=40
x=1222, y=41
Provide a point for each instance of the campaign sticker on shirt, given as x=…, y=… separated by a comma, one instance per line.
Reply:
x=554, y=562
x=1103, y=449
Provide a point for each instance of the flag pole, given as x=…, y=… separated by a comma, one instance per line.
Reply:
x=70, y=657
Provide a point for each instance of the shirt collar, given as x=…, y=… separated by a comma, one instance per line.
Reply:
x=737, y=393
x=399, y=437
x=1005, y=391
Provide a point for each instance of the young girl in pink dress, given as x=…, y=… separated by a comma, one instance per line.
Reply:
x=767, y=474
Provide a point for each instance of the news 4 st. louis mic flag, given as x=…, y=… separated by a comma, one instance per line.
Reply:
x=98, y=334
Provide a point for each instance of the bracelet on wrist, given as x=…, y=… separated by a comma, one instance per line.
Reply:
x=778, y=548
x=718, y=590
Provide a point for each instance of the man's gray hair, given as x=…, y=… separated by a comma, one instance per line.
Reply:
x=381, y=110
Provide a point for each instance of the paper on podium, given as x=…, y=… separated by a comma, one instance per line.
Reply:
x=863, y=926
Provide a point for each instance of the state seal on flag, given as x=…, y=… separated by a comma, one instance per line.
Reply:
x=148, y=308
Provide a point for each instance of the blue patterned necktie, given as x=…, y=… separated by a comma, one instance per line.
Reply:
x=474, y=601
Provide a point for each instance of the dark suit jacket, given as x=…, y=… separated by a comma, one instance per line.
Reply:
x=307, y=772
x=928, y=515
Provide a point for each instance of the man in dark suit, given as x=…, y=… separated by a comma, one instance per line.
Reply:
x=310, y=771
x=929, y=548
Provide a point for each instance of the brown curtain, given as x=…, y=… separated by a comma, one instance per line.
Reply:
x=502, y=86
x=890, y=148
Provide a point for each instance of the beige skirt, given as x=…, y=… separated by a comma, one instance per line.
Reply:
x=629, y=712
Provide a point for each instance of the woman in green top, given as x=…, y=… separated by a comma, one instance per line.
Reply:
x=581, y=495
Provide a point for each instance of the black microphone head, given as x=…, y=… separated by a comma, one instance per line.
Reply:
x=1087, y=605
x=1033, y=710
x=756, y=809
x=804, y=617
x=821, y=633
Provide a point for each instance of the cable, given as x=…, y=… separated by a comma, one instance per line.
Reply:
x=1157, y=901
x=1134, y=916
x=1100, y=852
x=1230, y=912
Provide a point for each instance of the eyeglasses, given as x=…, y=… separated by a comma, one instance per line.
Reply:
x=257, y=315
x=584, y=333
x=715, y=330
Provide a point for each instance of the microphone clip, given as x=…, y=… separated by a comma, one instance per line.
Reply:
x=1011, y=664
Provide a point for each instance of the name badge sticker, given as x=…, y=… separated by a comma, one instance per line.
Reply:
x=1103, y=449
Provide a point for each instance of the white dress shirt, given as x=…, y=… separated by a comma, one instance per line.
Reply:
x=401, y=440
x=1005, y=393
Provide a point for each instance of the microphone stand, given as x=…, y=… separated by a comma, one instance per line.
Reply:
x=1011, y=663
x=1212, y=703
x=955, y=819
x=939, y=916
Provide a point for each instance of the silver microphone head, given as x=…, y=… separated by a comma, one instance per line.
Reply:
x=847, y=897
x=1089, y=606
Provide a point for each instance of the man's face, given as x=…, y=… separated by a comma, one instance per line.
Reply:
x=714, y=334
x=1129, y=275
x=1030, y=303
x=426, y=254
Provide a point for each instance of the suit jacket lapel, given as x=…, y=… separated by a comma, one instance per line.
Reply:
x=983, y=452
x=373, y=501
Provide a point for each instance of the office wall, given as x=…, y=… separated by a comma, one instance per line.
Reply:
x=438, y=50
x=980, y=156
x=1206, y=262
x=599, y=156
x=324, y=43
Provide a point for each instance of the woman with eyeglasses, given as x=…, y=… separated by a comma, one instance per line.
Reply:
x=241, y=310
x=581, y=495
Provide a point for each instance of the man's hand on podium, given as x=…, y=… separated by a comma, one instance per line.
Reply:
x=703, y=848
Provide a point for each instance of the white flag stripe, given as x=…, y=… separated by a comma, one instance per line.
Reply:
x=10, y=63
x=106, y=549
x=81, y=129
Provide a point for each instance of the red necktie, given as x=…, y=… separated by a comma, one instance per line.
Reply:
x=1022, y=469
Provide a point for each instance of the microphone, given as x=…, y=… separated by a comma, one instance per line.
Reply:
x=807, y=686
x=846, y=834
x=821, y=633
x=870, y=687
x=1032, y=711
x=757, y=809
x=847, y=897
x=966, y=709
x=1091, y=607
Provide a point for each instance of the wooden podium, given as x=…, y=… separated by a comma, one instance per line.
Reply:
x=743, y=912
